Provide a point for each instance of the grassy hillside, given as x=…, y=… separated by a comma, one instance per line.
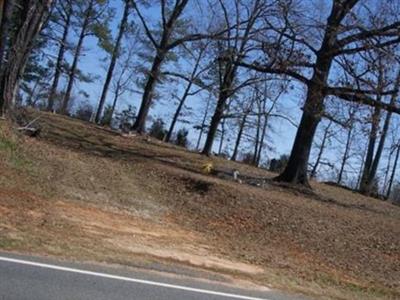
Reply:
x=84, y=192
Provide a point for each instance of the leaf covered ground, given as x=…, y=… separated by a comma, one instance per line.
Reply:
x=84, y=192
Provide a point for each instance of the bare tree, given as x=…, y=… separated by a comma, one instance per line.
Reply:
x=231, y=52
x=343, y=34
x=124, y=74
x=246, y=109
x=372, y=160
x=203, y=125
x=321, y=147
x=167, y=41
x=391, y=181
x=349, y=136
x=194, y=78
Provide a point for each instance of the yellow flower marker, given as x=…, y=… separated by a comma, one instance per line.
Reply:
x=208, y=168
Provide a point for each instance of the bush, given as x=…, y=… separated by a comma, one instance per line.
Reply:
x=106, y=120
x=247, y=158
x=125, y=118
x=182, y=137
x=277, y=165
x=157, y=129
x=84, y=112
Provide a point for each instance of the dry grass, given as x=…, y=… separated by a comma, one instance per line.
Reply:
x=80, y=191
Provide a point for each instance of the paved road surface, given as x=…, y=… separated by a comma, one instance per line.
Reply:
x=42, y=279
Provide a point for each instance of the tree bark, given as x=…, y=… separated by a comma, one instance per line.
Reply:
x=231, y=67
x=396, y=160
x=263, y=133
x=161, y=50
x=296, y=169
x=387, y=171
x=364, y=184
x=345, y=155
x=215, y=120
x=320, y=152
x=221, y=142
x=184, y=97
x=34, y=14
x=116, y=96
x=261, y=130
x=60, y=58
x=140, y=123
x=379, y=150
x=114, y=57
x=72, y=71
x=374, y=166
x=178, y=112
x=256, y=140
x=203, y=123
x=6, y=13
x=239, y=137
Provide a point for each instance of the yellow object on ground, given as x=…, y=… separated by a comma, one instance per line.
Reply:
x=208, y=167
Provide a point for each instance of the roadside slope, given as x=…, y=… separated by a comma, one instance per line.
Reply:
x=88, y=193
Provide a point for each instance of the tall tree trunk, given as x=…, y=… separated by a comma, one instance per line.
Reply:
x=34, y=14
x=60, y=59
x=296, y=168
x=30, y=101
x=364, y=184
x=178, y=112
x=262, y=141
x=215, y=120
x=221, y=142
x=374, y=167
x=257, y=140
x=379, y=150
x=261, y=130
x=162, y=49
x=361, y=169
x=6, y=13
x=320, y=152
x=224, y=94
x=115, y=100
x=78, y=50
x=239, y=137
x=114, y=57
x=140, y=123
x=184, y=96
x=387, y=171
x=396, y=160
x=203, y=124
x=345, y=155
x=231, y=66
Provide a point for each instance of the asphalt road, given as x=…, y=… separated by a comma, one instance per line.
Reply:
x=31, y=278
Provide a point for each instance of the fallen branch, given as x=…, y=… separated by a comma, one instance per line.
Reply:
x=30, y=131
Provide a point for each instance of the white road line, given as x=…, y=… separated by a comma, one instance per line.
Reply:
x=115, y=277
